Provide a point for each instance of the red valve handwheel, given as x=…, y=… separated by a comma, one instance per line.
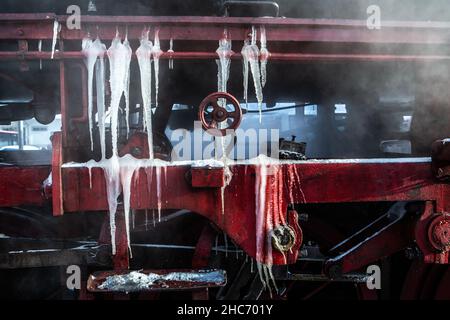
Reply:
x=211, y=113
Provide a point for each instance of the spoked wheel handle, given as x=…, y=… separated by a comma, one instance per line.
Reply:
x=212, y=113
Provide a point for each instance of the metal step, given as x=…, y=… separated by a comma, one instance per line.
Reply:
x=155, y=280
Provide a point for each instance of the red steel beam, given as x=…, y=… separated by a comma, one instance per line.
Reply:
x=23, y=185
x=31, y=26
x=320, y=182
x=304, y=182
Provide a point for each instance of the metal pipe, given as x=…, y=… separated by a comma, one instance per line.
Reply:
x=197, y=55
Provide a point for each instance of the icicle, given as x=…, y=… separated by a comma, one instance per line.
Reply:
x=112, y=177
x=260, y=205
x=156, y=52
x=264, y=219
x=126, y=174
x=100, y=86
x=170, y=51
x=165, y=175
x=254, y=69
x=264, y=54
x=144, y=53
x=56, y=29
x=91, y=57
x=127, y=85
x=91, y=50
x=250, y=54
x=224, y=52
x=90, y=176
x=158, y=190
x=40, y=49
x=244, y=53
x=119, y=59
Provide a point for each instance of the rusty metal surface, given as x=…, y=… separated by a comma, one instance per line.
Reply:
x=424, y=230
x=22, y=185
x=207, y=177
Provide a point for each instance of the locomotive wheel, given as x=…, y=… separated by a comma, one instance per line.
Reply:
x=427, y=281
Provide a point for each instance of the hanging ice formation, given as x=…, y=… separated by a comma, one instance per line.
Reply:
x=126, y=90
x=40, y=49
x=244, y=53
x=224, y=52
x=119, y=171
x=156, y=53
x=101, y=110
x=93, y=51
x=269, y=192
x=119, y=55
x=223, y=65
x=56, y=29
x=250, y=55
x=144, y=53
x=264, y=56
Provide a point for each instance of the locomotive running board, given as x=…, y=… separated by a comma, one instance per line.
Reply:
x=155, y=280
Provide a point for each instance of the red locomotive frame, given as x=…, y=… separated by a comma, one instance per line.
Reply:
x=198, y=189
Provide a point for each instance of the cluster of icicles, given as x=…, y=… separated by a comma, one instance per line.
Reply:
x=118, y=171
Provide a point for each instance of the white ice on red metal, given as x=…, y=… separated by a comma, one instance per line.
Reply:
x=119, y=171
x=111, y=169
x=269, y=196
x=156, y=53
